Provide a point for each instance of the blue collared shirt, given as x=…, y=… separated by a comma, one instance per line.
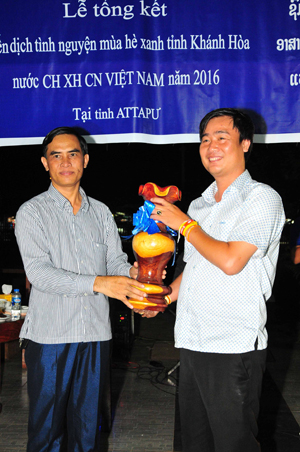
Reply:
x=62, y=254
x=218, y=313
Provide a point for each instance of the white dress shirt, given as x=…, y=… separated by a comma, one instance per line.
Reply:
x=218, y=313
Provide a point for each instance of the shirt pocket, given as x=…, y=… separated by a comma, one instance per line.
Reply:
x=222, y=230
x=99, y=251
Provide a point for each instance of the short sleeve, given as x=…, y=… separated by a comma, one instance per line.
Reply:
x=261, y=219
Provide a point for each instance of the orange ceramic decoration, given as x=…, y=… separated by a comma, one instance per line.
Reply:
x=151, y=190
x=153, y=252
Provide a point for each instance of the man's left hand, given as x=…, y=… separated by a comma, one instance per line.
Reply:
x=146, y=313
x=134, y=271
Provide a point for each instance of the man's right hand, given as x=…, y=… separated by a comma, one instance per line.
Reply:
x=146, y=313
x=119, y=287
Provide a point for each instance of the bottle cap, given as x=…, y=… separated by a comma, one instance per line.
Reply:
x=6, y=289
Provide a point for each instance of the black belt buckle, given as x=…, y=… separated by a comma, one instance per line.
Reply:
x=23, y=343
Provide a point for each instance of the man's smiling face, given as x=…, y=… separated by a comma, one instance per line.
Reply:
x=221, y=152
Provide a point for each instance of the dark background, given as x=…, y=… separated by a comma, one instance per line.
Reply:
x=116, y=171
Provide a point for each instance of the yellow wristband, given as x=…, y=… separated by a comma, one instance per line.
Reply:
x=190, y=230
x=187, y=227
x=168, y=299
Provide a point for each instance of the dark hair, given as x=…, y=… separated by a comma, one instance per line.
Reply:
x=241, y=121
x=61, y=131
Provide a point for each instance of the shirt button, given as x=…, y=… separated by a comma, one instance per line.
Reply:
x=85, y=294
x=82, y=262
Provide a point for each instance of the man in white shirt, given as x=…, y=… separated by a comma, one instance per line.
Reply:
x=231, y=249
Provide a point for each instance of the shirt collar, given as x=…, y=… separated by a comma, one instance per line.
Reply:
x=236, y=187
x=64, y=203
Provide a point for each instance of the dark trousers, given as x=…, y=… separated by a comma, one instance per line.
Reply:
x=65, y=384
x=219, y=400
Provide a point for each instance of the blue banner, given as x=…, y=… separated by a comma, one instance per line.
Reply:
x=147, y=70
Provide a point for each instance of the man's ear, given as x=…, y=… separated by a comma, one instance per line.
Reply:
x=45, y=163
x=86, y=159
x=246, y=145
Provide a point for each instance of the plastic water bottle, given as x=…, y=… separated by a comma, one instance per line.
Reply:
x=16, y=305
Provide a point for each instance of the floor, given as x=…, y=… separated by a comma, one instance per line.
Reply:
x=144, y=391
